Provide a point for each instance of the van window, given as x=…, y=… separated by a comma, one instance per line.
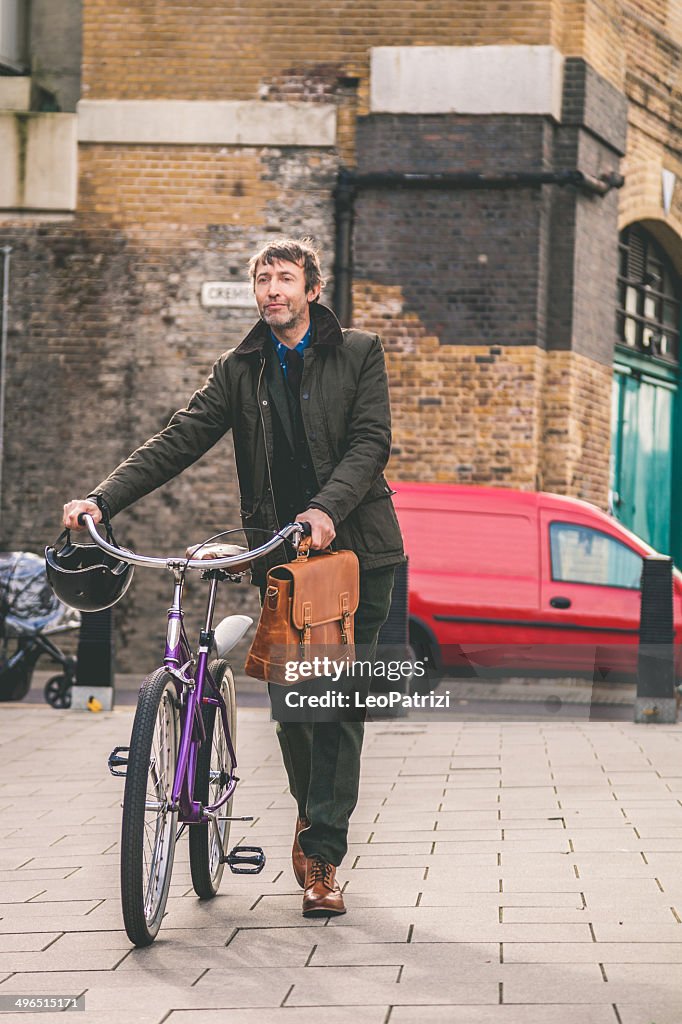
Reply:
x=583, y=555
x=470, y=543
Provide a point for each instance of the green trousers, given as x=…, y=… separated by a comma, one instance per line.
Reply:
x=322, y=759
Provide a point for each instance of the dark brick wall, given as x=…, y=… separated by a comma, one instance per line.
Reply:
x=468, y=261
x=590, y=102
x=584, y=228
x=522, y=266
x=96, y=365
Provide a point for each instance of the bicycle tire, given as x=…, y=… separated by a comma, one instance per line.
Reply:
x=146, y=874
x=206, y=869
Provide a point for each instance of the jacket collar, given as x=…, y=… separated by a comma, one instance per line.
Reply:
x=326, y=331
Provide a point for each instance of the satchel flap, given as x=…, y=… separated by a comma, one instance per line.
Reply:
x=322, y=586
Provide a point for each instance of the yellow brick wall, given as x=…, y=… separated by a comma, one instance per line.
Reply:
x=141, y=185
x=504, y=415
x=206, y=50
x=575, y=427
x=653, y=45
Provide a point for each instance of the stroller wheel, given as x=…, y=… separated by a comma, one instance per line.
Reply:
x=57, y=692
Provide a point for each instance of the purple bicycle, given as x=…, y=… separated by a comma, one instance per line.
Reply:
x=180, y=765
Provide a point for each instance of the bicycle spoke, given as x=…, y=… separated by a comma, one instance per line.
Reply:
x=149, y=830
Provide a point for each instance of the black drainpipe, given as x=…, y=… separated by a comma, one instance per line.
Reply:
x=349, y=183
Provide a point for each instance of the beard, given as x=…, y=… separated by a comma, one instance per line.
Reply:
x=285, y=319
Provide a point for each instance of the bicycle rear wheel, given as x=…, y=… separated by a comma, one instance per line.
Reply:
x=214, y=768
x=149, y=826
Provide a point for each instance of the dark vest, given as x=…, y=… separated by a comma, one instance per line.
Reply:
x=293, y=477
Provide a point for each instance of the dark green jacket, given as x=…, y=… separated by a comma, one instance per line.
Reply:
x=347, y=419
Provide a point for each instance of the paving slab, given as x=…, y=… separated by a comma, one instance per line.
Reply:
x=501, y=1014
x=284, y=1015
x=498, y=873
x=654, y=1011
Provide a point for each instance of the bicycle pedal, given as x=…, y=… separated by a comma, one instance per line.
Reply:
x=116, y=760
x=244, y=855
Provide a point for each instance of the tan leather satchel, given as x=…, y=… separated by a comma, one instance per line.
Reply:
x=307, y=613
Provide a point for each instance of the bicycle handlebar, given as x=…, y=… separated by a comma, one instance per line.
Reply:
x=302, y=529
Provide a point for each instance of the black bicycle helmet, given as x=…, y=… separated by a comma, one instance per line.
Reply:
x=85, y=577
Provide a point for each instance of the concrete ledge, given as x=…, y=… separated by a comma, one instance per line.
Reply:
x=15, y=92
x=198, y=122
x=466, y=80
x=38, y=161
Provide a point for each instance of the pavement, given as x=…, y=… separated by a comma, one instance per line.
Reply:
x=500, y=872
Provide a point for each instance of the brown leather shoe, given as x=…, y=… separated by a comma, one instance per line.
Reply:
x=298, y=858
x=322, y=894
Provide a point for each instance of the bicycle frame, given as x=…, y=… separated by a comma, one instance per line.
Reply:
x=179, y=661
x=190, y=675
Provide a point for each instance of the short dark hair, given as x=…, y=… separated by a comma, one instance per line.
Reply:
x=292, y=250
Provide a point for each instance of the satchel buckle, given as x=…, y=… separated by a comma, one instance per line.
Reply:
x=305, y=632
x=345, y=619
x=304, y=642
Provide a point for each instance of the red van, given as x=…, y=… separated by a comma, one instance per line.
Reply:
x=522, y=582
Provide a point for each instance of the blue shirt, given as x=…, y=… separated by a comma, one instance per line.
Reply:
x=281, y=349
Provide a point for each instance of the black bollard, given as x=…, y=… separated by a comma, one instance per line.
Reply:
x=94, y=687
x=655, y=699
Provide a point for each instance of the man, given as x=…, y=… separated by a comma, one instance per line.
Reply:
x=308, y=406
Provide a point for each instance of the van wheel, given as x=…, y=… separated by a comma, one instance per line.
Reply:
x=421, y=651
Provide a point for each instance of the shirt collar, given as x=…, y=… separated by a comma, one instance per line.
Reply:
x=326, y=332
x=282, y=349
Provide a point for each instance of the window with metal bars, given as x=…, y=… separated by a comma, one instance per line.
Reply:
x=649, y=294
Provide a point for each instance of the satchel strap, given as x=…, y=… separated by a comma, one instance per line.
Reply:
x=303, y=549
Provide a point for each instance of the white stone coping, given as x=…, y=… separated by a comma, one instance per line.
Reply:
x=466, y=80
x=203, y=122
x=15, y=92
x=38, y=161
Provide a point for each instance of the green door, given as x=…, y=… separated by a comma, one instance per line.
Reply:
x=642, y=454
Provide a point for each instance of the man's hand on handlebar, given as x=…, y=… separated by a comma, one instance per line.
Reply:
x=321, y=525
x=73, y=509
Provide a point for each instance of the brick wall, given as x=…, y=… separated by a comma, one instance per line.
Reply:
x=467, y=261
x=512, y=416
x=575, y=427
x=653, y=44
x=108, y=338
x=206, y=50
x=478, y=291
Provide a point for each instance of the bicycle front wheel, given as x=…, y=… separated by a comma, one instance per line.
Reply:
x=214, y=769
x=149, y=826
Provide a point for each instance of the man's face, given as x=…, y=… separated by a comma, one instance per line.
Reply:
x=281, y=294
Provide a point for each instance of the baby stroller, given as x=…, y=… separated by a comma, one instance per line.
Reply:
x=29, y=614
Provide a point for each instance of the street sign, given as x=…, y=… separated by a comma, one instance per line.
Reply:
x=235, y=294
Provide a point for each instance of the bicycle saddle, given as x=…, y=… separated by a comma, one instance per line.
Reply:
x=221, y=550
